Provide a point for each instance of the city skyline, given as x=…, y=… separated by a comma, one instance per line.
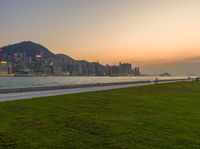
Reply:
x=32, y=59
x=129, y=30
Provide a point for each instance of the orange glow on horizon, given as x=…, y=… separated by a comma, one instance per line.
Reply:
x=108, y=31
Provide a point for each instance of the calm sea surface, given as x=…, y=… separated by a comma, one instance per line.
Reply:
x=22, y=82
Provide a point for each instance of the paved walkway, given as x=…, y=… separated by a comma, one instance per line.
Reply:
x=35, y=94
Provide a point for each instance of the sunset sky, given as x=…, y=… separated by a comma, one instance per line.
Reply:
x=107, y=31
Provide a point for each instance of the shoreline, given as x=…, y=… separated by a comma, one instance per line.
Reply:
x=45, y=88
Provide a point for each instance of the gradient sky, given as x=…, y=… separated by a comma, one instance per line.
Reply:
x=107, y=31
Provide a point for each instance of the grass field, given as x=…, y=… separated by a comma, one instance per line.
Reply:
x=154, y=116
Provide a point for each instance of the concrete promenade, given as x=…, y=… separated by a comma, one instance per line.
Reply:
x=45, y=93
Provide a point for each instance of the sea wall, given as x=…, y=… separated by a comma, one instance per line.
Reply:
x=14, y=90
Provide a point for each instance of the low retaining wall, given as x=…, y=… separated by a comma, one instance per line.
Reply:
x=43, y=88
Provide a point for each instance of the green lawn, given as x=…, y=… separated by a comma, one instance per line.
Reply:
x=154, y=116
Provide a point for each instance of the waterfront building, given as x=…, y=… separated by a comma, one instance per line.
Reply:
x=136, y=71
x=115, y=70
x=15, y=62
x=125, y=69
x=4, y=68
x=19, y=63
x=39, y=62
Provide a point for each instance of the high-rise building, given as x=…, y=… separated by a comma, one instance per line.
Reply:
x=125, y=69
x=136, y=71
x=4, y=68
x=16, y=62
x=39, y=62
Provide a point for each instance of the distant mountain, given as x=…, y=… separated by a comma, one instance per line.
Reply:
x=65, y=58
x=28, y=47
x=165, y=74
x=189, y=66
